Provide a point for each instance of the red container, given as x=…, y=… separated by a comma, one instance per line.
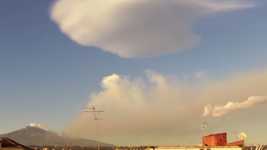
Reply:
x=219, y=139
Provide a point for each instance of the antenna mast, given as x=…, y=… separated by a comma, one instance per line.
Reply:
x=92, y=109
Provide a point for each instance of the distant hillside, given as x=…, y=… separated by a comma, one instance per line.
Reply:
x=39, y=137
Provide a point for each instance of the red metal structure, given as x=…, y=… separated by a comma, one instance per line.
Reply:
x=240, y=143
x=219, y=139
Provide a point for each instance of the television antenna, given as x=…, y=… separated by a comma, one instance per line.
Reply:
x=204, y=127
x=95, y=112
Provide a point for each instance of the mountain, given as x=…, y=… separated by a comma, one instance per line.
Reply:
x=34, y=136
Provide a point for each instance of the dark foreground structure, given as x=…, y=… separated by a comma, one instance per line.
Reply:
x=9, y=144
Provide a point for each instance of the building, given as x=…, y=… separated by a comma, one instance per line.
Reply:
x=216, y=141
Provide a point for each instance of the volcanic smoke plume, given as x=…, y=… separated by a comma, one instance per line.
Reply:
x=163, y=109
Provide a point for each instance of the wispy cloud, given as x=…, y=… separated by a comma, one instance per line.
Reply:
x=131, y=28
x=219, y=111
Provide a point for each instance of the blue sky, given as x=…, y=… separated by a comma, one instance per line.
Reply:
x=47, y=78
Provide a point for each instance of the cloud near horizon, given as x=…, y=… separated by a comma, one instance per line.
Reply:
x=159, y=109
x=219, y=111
x=131, y=28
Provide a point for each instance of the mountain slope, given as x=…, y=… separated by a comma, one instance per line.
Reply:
x=39, y=137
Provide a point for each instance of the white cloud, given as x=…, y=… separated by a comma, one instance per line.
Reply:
x=131, y=28
x=219, y=111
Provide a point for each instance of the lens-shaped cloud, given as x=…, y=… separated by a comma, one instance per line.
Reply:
x=137, y=28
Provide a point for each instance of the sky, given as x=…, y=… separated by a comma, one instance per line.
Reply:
x=157, y=68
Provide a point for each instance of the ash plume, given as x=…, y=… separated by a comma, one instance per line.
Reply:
x=163, y=109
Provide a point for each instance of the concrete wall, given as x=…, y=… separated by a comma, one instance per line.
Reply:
x=182, y=148
x=198, y=148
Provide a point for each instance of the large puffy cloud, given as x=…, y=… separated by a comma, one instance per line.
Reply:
x=134, y=28
x=161, y=109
